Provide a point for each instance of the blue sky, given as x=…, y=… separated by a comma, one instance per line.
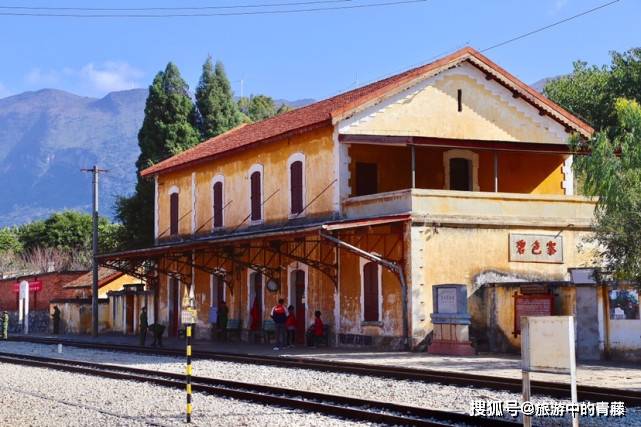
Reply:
x=303, y=55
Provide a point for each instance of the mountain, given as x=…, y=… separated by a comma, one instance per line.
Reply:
x=47, y=136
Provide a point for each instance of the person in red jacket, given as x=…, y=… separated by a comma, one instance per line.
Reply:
x=315, y=331
x=291, y=326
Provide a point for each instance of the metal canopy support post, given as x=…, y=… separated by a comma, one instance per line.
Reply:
x=496, y=172
x=392, y=266
x=413, y=148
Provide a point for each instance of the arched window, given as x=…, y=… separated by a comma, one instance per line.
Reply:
x=218, y=201
x=173, y=211
x=256, y=192
x=296, y=163
x=371, y=292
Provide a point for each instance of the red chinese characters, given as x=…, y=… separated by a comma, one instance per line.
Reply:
x=520, y=247
x=536, y=248
x=551, y=247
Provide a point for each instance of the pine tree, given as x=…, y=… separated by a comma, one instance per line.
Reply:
x=169, y=127
x=215, y=101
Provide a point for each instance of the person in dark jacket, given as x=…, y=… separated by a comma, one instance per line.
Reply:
x=291, y=326
x=222, y=319
x=279, y=315
x=144, y=324
x=5, y=325
x=56, y=320
x=157, y=330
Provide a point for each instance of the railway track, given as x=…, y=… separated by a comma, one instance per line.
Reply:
x=341, y=406
x=554, y=389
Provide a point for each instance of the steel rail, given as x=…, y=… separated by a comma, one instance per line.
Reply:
x=554, y=389
x=335, y=405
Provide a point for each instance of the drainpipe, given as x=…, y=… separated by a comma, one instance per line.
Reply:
x=606, y=321
x=392, y=266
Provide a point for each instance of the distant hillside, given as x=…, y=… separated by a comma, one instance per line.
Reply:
x=539, y=85
x=47, y=136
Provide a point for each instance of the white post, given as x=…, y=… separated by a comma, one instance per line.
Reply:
x=525, y=366
x=575, y=418
x=24, y=306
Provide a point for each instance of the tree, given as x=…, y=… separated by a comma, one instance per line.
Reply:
x=590, y=92
x=260, y=107
x=215, y=101
x=169, y=127
x=612, y=171
x=9, y=240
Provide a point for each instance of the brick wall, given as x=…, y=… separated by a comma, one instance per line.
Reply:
x=52, y=284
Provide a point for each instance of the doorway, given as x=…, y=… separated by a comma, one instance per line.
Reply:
x=298, y=300
x=255, y=301
x=173, y=306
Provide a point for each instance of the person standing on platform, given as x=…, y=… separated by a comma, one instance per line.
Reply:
x=291, y=326
x=279, y=315
x=5, y=325
x=157, y=330
x=56, y=320
x=221, y=321
x=144, y=325
x=213, y=320
x=315, y=331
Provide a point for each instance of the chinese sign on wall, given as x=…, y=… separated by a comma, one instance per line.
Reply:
x=531, y=305
x=624, y=304
x=536, y=248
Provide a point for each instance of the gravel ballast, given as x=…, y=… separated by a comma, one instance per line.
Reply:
x=413, y=393
x=36, y=396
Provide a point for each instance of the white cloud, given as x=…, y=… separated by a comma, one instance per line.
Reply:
x=4, y=91
x=90, y=79
x=110, y=76
x=558, y=5
x=38, y=77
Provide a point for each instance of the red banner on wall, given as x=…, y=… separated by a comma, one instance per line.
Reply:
x=34, y=286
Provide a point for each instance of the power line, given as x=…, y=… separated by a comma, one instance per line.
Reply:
x=139, y=9
x=503, y=43
x=554, y=24
x=192, y=15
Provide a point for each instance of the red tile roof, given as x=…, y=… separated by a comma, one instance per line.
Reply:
x=325, y=112
x=105, y=276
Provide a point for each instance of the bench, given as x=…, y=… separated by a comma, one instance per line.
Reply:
x=269, y=331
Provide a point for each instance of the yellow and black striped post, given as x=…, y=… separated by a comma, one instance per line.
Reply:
x=188, y=376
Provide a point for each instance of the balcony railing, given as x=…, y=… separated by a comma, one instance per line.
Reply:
x=465, y=207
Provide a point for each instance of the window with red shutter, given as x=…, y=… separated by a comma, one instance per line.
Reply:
x=296, y=184
x=173, y=214
x=218, y=204
x=370, y=292
x=255, y=196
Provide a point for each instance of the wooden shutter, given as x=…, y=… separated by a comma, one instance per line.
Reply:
x=366, y=178
x=296, y=176
x=255, y=196
x=173, y=214
x=370, y=292
x=218, y=204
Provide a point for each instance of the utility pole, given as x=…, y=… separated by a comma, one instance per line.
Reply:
x=94, y=285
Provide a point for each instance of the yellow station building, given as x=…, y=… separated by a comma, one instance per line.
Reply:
x=454, y=172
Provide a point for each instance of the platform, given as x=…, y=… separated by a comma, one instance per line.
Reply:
x=602, y=374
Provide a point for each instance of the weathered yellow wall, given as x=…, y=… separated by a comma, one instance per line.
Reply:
x=117, y=284
x=489, y=115
x=350, y=285
x=317, y=146
x=320, y=291
x=75, y=317
x=528, y=173
x=474, y=256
